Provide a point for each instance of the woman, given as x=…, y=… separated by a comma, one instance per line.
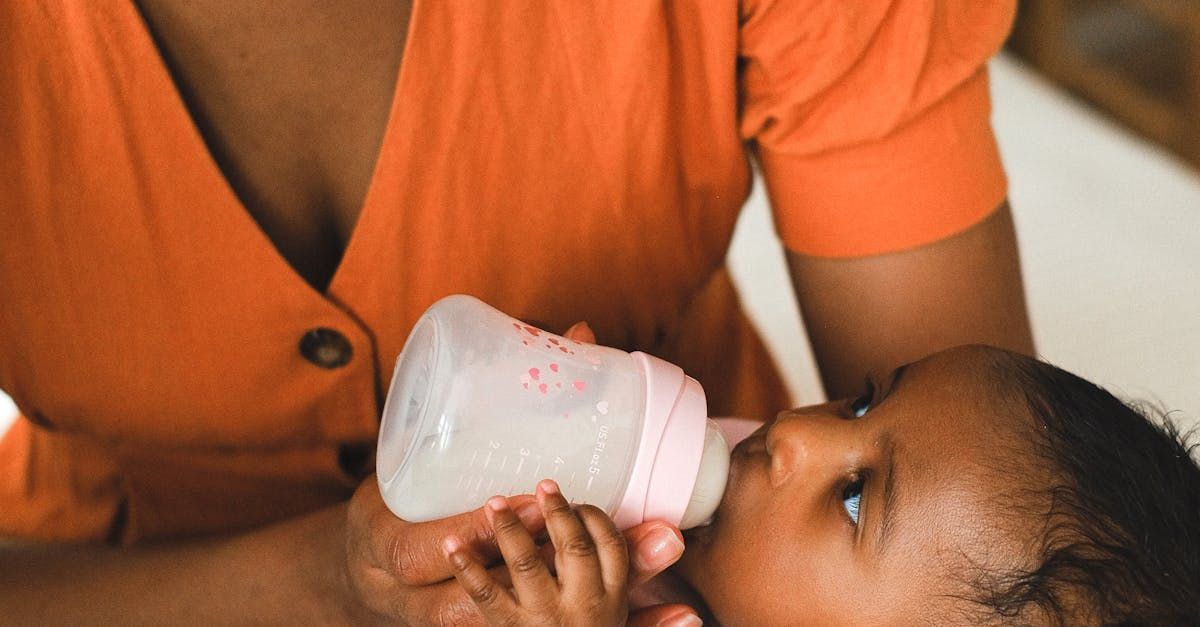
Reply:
x=221, y=221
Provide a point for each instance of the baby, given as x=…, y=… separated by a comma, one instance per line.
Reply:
x=973, y=486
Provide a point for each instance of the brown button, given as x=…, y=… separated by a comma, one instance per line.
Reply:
x=326, y=348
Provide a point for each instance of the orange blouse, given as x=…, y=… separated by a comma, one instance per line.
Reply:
x=561, y=160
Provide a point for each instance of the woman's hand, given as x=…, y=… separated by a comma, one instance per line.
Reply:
x=397, y=571
x=591, y=562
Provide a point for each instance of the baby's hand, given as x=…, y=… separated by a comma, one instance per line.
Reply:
x=591, y=559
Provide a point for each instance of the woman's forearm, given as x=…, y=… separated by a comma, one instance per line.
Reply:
x=284, y=572
x=868, y=315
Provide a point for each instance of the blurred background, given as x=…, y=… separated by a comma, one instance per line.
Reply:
x=1097, y=112
x=1136, y=60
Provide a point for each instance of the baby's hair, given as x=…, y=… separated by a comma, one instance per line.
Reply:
x=1121, y=541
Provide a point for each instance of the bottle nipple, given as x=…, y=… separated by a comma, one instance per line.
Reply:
x=710, y=480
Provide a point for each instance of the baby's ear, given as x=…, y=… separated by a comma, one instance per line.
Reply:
x=581, y=332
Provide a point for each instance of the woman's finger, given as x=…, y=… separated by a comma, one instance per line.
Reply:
x=530, y=577
x=610, y=548
x=447, y=602
x=575, y=558
x=492, y=598
x=672, y=615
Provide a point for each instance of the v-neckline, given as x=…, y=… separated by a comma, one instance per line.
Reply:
x=244, y=217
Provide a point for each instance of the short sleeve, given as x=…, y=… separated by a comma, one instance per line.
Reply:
x=871, y=119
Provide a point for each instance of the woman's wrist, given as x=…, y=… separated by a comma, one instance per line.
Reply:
x=298, y=568
x=324, y=572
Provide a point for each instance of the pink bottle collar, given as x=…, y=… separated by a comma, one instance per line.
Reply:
x=672, y=441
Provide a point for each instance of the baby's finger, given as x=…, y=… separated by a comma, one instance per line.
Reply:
x=581, y=332
x=575, y=557
x=411, y=552
x=494, y=600
x=531, y=579
x=610, y=547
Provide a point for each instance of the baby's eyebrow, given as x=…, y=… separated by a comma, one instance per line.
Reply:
x=897, y=375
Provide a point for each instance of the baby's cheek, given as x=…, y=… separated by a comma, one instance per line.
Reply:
x=750, y=588
x=779, y=578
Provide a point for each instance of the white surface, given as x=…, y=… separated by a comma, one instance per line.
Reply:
x=1109, y=229
x=8, y=411
x=1110, y=241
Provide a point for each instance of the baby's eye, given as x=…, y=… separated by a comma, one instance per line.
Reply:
x=861, y=405
x=851, y=497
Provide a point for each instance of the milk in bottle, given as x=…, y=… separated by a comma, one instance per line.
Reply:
x=482, y=404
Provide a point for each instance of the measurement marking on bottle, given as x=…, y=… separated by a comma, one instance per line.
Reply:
x=519, y=464
x=487, y=460
x=478, y=483
x=473, y=456
x=589, y=483
x=536, y=470
x=503, y=462
x=459, y=485
x=490, y=482
x=571, y=482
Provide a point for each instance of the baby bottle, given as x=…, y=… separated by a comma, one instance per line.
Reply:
x=482, y=404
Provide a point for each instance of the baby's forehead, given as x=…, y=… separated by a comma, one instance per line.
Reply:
x=981, y=388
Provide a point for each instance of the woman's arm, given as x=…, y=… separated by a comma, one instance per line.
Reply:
x=871, y=314
x=350, y=564
x=279, y=573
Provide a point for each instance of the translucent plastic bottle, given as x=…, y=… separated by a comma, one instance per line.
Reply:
x=483, y=404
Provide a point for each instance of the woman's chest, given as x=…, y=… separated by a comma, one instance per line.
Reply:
x=557, y=160
x=291, y=100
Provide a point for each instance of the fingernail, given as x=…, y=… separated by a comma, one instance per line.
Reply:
x=681, y=620
x=497, y=503
x=660, y=549
x=548, y=486
x=452, y=549
x=451, y=545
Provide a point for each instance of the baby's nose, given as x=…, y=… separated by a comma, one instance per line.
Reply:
x=798, y=444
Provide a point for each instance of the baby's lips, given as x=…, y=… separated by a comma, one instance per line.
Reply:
x=755, y=444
